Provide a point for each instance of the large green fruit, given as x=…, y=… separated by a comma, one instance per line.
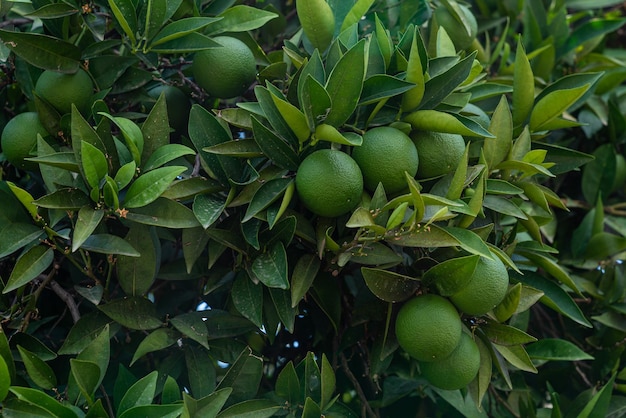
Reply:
x=19, y=139
x=61, y=90
x=227, y=71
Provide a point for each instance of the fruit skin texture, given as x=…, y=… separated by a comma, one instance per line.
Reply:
x=458, y=369
x=485, y=290
x=329, y=183
x=384, y=156
x=428, y=327
x=225, y=72
x=61, y=90
x=461, y=38
x=19, y=137
x=440, y=153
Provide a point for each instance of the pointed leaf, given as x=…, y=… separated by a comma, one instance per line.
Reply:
x=271, y=267
x=208, y=208
x=452, y=275
x=148, y=187
x=192, y=326
x=556, y=349
x=434, y=120
x=345, y=84
x=140, y=393
x=87, y=222
x=28, y=266
x=158, y=339
x=135, y=277
x=389, y=286
x=87, y=375
x=38, y=370
x=109, y=244
x=275, y=148
x=164, y=154
x=553, y=105
x=133, y=312
x=304, y=273
x=244, y=376
x=164, y=213
x=43, y=51
x=248, y=299
x=267, y=194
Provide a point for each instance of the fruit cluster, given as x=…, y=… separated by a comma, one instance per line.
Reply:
x=430, y=329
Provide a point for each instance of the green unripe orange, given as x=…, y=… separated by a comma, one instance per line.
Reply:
x=428, y=327
x=61, y=90
x=486, y=288
x=384, y=157
x=329, y=183
x=440, y=153
x=227, y=71
x=19, y=139
x=458, y=369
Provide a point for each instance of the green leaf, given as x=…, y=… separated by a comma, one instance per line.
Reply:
x=244, y=376
x=242, y=148
x=603, y=245
x=149, y=186
x=556, y=349
x=599, y=174
x=200, y=370
x=314, y=100
x=161, y=411
x=553, y=105
x=271, y=267
x=434, y=120
x=294, y=118
x=517, y=356
x=38, y=398
x=240, y=18
x=345, y=84
x=109, y=244
x=125, y=175
x=267, y=194
x=311, y=409
x=155, y=17
x=62, y=160
x=87, y=376
x=94, y=164
x=248, y=299
x=85, y=331
x=14, y=236
x=497, y=149
x=53, y=11
x=328, y=382
x=124, y=12
x=207, y=407
x=274, y=147
x=452, y=275
x=192, y=326
x=159, y=339
x=25, y=198
x=136, y=278
x=164, y=154
x=589, y=30
x=43, y=51
x=355, y=14
x=325, y=132
x=523, y=86
x=509, y=305
x=5, y=379
x=281, y=298
x=554, y=296
x=133, y=136
x=208, y=208
x=388, y=285
x=440, y=86
x=132, y=312
x=303, y=275
x=38, y=370
x=552, y=267
x=28, y=266
x=87, y=222
x=140, y=393
x=288, y=384
x=506, y=335
x=254, y=408
x=383, y=86
x=181, y=28
x=164, y=213
x=597, y=406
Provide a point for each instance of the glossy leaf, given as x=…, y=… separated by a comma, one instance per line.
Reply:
x=208, y=406
x=304, y=273
x=553, y=105
x=254, y=408
x=556, y=349
x=414, y=74
x=389, y=286
x=248, y=299
x=315, y=101
x=37, y=398
x=294, y=118
x=87, y=222
x=517, y=356
x=87, y=375
x=275, y=148
x=135, y=277
x=192, y=326
x=38, y=370
x=345, y=84
x=164, y=154
x=240, y=18
x=25, y=198
x=501, y=126
x=164, y=213
x=288, y=384
x=506, y=335
x=244, y=376
x=149, y=186
x=158, y=339
x=5, y=379
x=434, y=120
x=452, y=275
x=160, y=410
x=140, y=393
x=523, y=87
x=200, y=370
x=133, y=312
x=124, y=12
x=28, y=266
x=271, y=267
x=43, y=51
x=383, y=86
x=267, y=194
x=509, y=305
x=243, y=148
x=182, y=27
x=440, y=86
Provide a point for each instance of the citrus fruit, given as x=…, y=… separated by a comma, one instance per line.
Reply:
x=458, y=369
x=177, y=103
x=428, y=327
x=440, y=153
x=329, y=182
x=384, y=156
x=227, y=71
x=61, y=90
x=19, y=138
x=461, y=35
x=486, y=288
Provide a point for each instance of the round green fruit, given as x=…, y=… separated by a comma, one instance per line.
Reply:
x=458, y=369
x=227, y=71
x=19, y=139
x=62, y=90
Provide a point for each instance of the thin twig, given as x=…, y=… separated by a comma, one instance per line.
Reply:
x=67, y=298
x=15, y=22
x=359, y=390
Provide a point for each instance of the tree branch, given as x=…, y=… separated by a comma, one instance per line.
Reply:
x=346, y=368
x=67, y=298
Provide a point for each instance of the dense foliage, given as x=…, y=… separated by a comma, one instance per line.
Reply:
x=157, y=260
